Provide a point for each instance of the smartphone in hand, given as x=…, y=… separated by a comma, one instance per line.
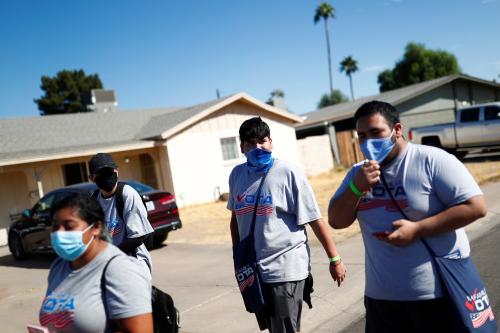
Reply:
x=32, y=328
x=382, y=234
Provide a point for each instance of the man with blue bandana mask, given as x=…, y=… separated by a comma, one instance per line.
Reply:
x=285, y=206
x=403, y=292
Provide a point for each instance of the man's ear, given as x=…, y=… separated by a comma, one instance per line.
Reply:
x=241, y=148
x=398, y=129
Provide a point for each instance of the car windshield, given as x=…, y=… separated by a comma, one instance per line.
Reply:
x=139, y=187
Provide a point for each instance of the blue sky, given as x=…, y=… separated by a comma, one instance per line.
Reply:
x=178, y=52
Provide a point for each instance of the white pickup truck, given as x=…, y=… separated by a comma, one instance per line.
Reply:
x=477, y=127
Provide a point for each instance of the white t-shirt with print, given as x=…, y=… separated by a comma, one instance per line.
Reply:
x=136, y=222
x=424, y=181
x=75, y=301
x=286, y=204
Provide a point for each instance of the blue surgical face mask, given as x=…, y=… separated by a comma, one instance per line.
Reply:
x=377, y=149
x=259, y=160
x=69, y=245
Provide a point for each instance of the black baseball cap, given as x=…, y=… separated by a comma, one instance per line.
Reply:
x=100, y=161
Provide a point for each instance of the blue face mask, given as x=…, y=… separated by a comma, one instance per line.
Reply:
x=377, y=149
x=259, y=160
x=69, y=245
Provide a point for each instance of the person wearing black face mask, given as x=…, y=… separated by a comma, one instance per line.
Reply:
x=130, y=228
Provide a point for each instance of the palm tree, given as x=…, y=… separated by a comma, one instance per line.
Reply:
x=350, y=66
x=326, y=11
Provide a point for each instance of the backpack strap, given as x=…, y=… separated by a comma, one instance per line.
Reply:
x=103, y=288
x=120, y=203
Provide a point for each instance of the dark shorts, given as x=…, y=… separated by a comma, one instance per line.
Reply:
x=429, y=316
x=285, y=307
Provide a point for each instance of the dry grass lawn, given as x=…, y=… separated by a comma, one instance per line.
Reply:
x=209, y=223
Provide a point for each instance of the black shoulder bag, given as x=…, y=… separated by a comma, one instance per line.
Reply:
x=247, y=268
x=463, y=288
x=165, y=315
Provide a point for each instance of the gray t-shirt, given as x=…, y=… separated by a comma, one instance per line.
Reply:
x=75, y=301
x=136, y=221
x=286, y=204
x=424, y=181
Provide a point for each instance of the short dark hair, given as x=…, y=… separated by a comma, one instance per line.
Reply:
x=254, y=128
x=386, y=110
x=86, y=208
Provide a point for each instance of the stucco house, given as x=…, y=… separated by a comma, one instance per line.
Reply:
x=426, y=103
x=187, y=151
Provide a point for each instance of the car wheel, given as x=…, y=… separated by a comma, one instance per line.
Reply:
x=16, y=247
x=158, y=239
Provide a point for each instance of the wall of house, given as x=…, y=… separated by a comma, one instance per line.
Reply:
x=435, y=107
x=14, y=198
x=198, y=170
x=315, y=154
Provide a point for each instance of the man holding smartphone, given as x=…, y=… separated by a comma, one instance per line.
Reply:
x=403, y=292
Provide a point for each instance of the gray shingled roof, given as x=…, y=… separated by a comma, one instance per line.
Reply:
x=65, y=133
x=346, y=110
x=163, y=122
x=42, y=136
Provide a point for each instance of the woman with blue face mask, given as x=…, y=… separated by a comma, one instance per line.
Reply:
x=92, y=286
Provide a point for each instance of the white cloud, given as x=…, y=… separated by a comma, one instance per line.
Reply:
x=484, y=2
x=374, y=68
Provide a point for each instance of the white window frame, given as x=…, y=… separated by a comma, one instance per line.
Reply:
x=226, y=158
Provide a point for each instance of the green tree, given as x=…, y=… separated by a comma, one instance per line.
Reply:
x=335, y=97
x=418, y=64
x=324, y=12
x=67, y=92
x=350, y=66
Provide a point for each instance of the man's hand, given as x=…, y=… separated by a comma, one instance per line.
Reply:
x=338, y=272
x=367, y=176
x=405, y=233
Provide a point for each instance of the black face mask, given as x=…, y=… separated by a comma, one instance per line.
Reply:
x=106, y=180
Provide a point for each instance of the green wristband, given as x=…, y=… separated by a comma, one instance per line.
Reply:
x=354, y=189
x=335, y=260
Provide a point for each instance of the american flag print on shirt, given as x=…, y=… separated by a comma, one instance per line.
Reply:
x=114, y=227
x=58, y=311
x=245, y=204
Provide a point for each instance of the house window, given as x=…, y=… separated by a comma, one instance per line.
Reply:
x=75, y=173
x=229, y=148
